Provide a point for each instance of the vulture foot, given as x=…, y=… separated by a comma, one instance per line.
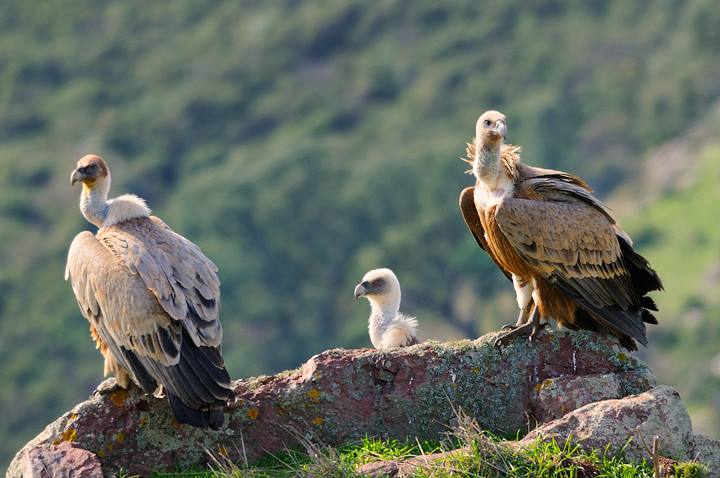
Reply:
x=530, y=328
x=108, y=386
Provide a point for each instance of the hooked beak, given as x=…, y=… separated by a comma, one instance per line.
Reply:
x=75, y=176
x=361, y=289
x=500, y=128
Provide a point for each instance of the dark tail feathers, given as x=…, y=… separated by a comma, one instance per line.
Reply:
x=210, y=418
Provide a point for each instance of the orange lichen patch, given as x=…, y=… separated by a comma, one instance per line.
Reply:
x=314, y=395
x=74, y=416
x=119, y=437
x=68, y=435
x=318, y=421
x=222, y=451
x=118, y=397
x=545, y=383
x=253, y=413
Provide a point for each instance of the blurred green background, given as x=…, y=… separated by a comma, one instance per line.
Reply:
x=300, y=143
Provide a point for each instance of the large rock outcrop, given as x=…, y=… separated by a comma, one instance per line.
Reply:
x=341, y=395
x=628, y=425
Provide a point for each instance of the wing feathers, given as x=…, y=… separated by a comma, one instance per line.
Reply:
x=472, y=220
x=572, y=240
x=153, y=299
x=184, y=281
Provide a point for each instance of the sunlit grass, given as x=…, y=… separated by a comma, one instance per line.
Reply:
x=476, y=453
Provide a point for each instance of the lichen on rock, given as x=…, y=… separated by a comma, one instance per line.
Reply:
x=343, y=395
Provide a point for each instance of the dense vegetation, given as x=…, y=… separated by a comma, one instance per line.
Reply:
x=301, y=143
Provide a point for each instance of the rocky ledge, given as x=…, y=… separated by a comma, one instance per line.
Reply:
x=565, y=384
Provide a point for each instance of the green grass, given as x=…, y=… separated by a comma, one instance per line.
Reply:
x=484, y=457
x=475, y=453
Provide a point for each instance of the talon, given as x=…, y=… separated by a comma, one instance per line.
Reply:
x=530, y=328
x=108, y=386
x=537, y=329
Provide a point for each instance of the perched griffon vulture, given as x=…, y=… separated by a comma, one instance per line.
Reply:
x=567, y=257
x=388, y=326
x=152, y=300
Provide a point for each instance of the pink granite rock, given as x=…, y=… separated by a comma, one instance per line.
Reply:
x=613, y=423
x=343, y=395
x=51, y=461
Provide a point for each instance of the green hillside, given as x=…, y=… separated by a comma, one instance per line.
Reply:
x=301, y=143
x=680, y=232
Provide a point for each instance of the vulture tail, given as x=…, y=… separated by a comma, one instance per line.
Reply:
x=625, y=324
x=211, y=418
x=644, y=278
x=198, y=386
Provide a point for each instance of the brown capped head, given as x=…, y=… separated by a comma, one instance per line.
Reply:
x=89, y=169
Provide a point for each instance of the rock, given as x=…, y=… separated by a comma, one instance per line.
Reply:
x=405, y=467
x=342, y=395
x=706, y=450
x=612, y=423
x=554, y=397
x=50, y=461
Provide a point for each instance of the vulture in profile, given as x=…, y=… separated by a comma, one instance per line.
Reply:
x=152, y=299
x=567, y=257
x=388, y=326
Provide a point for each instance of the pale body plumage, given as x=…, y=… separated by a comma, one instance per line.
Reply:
x=387, y=326
x=152, y=300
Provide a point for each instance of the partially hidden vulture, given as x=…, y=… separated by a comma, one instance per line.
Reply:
x=567, y=257
x=152, y=299
x=388, y=327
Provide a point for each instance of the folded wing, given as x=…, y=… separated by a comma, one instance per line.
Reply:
x=572, y=241
x=153, y=299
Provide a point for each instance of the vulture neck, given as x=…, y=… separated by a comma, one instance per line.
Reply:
x=104, y=212
x=488, y=167
x=383, y=311
x=93, y=201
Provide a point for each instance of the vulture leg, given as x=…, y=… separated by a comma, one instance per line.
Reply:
x=523, y=317
x=530, y=328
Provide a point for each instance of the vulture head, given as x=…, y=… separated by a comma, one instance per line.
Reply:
x=380, y=286
x=90, y=170
x=491, y=127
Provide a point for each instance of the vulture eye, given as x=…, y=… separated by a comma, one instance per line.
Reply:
x=377, y=282
x=487, y=123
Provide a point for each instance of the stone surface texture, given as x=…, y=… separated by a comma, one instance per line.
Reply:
x=342, y=395
x=628, y=424
x=51, y=461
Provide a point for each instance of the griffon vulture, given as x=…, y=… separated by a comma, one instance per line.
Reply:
x=152, y=300
x=388, y=326
x=567, y=257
